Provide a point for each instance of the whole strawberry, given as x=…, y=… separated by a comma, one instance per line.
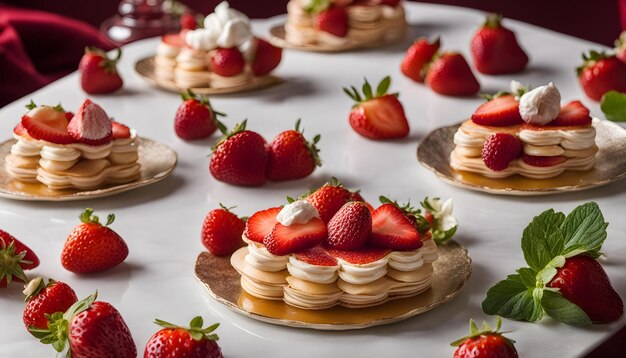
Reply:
x=495, y=49
x=291, y=156
x=418, y=56
x=15, y=257
x=333, y=20
x=240, y=158
x=485, y=343
x=45, y=299
x=350, y=227
x=227, y=62
x=500, y=149
x=195, y=117
x=221, y=231
x=377, y=115
x=176, y=341
x=98, y=73
x=93, y=247
x=449, y=74
x=583, y=281
x=329, y=199
x=266, y=58
x=89, y=329
x=601, y=73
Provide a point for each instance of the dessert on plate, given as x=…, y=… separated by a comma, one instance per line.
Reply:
x=344, y=23
x=332, y=248
x=66, y=151
x=222, y=54
x=526, y=132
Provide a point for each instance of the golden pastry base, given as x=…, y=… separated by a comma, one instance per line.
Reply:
x=146, y=69
x=156, y=160
x=434, y=150
x=451, y=271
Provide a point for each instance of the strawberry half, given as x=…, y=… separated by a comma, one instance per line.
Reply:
x=91, y=125
x=333, y=20
x=537, y=161
x=573, y=114
x=500, y=149
x=418, y=56
x=449, y=74
x=501, y=111
x=377, y=115
x=495, y=49
x=47, y=123
x=329, y=199
x=285, y=240
x=350, y=227
x=260, y=224
x=119, y=130
x=15, y=257
x=392, y=229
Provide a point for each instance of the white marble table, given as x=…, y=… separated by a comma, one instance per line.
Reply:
x=161, y=223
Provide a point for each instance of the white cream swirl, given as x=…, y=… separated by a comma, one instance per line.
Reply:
x=406, y=260
x=541, y=105
x=261, y=259
x=363, y=274
x=314, y=273
x=226, y=28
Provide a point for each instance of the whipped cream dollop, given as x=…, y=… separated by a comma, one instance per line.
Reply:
x=541, y=105
x=298, y=212
x=226, y=28
x=91, y=122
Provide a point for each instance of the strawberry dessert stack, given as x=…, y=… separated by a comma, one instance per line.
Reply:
x=223, y=54
x=344, y=23
x=332, y=248
x=526, y=132
x=63, y=151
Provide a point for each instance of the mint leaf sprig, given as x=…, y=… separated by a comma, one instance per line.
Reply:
x=547, y=242
x=613, y=105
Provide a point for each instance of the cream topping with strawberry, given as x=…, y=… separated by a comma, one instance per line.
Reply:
x=261, y=259
x=298, y=212
x=361, y=274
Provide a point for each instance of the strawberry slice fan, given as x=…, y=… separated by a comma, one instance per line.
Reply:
x=563, y=279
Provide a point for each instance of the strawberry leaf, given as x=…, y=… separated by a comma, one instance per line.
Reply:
x=584, y=229
x=541, y=240
x=511, y=298
x=383, y=86
x=564, y=311
x=613, y=105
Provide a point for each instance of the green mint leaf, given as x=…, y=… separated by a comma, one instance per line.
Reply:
x=564, y=311
x=528, y=277
x=541, y=241
x=584, y=229
x=511, y=298
x=613, y=104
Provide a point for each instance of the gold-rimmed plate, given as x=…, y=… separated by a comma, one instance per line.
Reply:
x=146, y=69
x=222, y=281
x=157, y=161
x=434, y=150
x=279, y=38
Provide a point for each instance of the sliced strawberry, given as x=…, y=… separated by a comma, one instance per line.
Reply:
x=421, y=52
x=52, y=129
x=260, y=224
x=188, y=21
x=285, y=240
x=316, y=255
x=334, y=20
x=20, y=130
x=120, y=131
x=175, y=40
x=499, y=112
x=537, y=161
x=572, y=114
x=361, y=256
x=69, y=115
x=392, y=229
x=500, y=149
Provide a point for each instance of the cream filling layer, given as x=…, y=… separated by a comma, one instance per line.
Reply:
x=261, y=259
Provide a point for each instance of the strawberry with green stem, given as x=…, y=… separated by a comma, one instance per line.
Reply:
x=98, y=72
x=329, y=198
x=222, y=230
x=195, y=118
x=485, y=342
x=44, y=299
x=601, y=73
x=291, y=156
x=176, y=341
x=15, y=257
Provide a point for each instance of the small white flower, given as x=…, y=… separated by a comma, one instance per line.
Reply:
x=444, y=224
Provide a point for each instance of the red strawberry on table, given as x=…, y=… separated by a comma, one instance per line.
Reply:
x=260, y=224
x=93, y=247
x=350, y=227
x=47, y=123
x=377, y=115
x=449, y=74
x=266, y=58
x=91, y=125
x=495, y=49
x=295, y=237
x=195, y=118
x=98, y=73
x=329, y=198
x=176, y=341
x=240, y=158
x=221, y=231
x=500, y=111
x=601, y=73
x=539, y=161
x=500, y=149
x=15, y=257
x=572, y=114
x=333, y=20
x=485, y=343
x=392, y=229
x=45, y=299
x=583, y=281
x=227, y=62
x=89, y=329
x=291, y=156
x=418, y=56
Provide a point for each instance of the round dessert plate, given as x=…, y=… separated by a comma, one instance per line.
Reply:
x=434, y=150
x=451, y=271
x=279, y=39
x=157, y=161
x=146, y=69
